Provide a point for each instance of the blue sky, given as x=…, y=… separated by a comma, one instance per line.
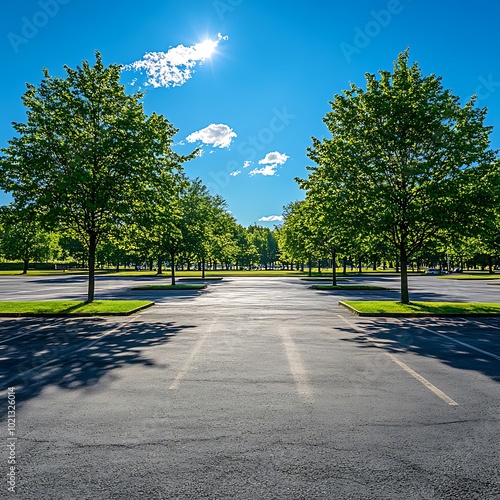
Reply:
x=255, y=91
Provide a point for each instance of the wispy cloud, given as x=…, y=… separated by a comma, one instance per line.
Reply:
x=271, y=218
x=271, y=162
x=216, y=134
x=268, y=170
x=176, y=66
x=247, y=163
x=274, y=158
x=235, y=173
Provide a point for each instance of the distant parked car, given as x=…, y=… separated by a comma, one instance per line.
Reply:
x=434, y=270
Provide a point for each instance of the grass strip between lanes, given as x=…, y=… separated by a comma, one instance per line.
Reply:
x=394, y=308
x=184, y=286
x=322, y=279
x=348, y=287
x=470, y=277
x=73, y=307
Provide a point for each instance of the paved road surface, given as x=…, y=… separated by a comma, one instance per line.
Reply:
x=254, y=388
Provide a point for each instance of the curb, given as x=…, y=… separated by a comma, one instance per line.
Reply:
x=199, y=279
x=359, y=288
x=146, y=288
x=355, y=312
x=74, y=315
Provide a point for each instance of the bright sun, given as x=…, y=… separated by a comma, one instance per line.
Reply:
x=206, y=48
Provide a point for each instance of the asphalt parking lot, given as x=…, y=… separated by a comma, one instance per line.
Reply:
x=253, y=388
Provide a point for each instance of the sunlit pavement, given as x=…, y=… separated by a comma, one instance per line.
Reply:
x=253, y=388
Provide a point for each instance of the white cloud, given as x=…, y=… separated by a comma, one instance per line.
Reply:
x=274, y=158
x=176, y=66
x=235, y=173
x=271, y=162
x=267, y=170
x=216, y=134
x=247, y=163
x=271, y=218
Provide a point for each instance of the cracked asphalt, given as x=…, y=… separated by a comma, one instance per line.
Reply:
x=255, y=388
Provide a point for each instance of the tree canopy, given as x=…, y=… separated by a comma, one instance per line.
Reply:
x=405, y=159
x=87, y=155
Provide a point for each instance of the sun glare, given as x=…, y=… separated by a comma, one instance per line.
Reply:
x=206, y=48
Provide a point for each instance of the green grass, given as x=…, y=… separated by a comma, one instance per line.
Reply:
x=307, y=278
x=348, y=287
x=72, y=307
x=184, y=286
x=199, y=278
x=470, y=277
x=387, y=307
x=54, y=272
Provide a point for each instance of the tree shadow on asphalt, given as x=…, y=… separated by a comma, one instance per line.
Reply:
x=405, y=336
x=391, y=294
x=74, y=353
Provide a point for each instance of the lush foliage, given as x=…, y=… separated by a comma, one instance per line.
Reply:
x=405, y=166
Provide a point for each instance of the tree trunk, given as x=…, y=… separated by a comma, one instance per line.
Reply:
x=91, y=264
x=319, y=266
x=26, y=263
x=405, y=298
x=150, y=265
x=490, y=264
x=309, y=270
x=160, y=269
x=360, y=266
x=334, y=266
x=172, y=265
x=203, y=268
x=117, y=268
x=344, y=263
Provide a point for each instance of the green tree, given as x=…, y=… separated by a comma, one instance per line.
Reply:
x=246, y=253
x=23, y=237
x=294, y=235
x=412, y=159
x=266, y=243
x=86, y=154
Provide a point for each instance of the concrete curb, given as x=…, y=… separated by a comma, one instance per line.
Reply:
x=74, y=315
x=355, y=312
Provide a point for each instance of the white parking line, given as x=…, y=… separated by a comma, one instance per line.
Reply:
x=192, y=357
x=404, y=366
x=86, y=346
x=486, y=353
x=297, y=368
x=41, y=328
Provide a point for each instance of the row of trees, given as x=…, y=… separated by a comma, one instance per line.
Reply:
x=202, y=233
x=88, y=164
x=406, y=172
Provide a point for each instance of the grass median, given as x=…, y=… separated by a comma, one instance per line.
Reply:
x=348, y=287
x=394, y=308
x=73, y=307
x=470, y=277
x=183, y=286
